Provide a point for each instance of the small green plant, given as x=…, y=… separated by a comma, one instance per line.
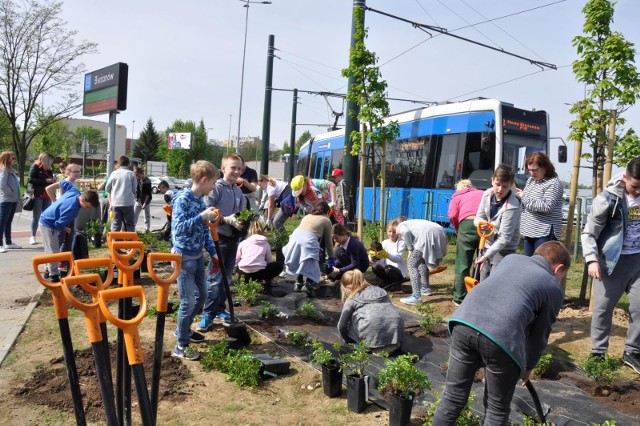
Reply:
x=152, y=311
x=215, y=357
x=371, y=232
x=176, y=308
x=245, y=215
x=543, y=365
x=401, y=377
x=298, y=338
x=93, y=227
x=322, y=355
x=607, y=423
x=309, y=310
x=248, y=290
x=243, y=368
x=268, y=310
x=357, y=360
x=429, y=317
x=278, y=238
x=466, y=418
x=604, y=370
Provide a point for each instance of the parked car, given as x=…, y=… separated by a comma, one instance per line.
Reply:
x=174, y=184
x=584, y=204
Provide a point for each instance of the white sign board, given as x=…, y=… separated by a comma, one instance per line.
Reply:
x=179, y=141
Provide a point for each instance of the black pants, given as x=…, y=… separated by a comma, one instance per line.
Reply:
x=388, y=274
x=271, y=271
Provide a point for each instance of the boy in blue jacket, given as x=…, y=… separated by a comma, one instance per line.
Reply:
x=189, y=235
x=59, y=215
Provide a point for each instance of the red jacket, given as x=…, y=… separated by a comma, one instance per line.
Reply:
x=464, y=203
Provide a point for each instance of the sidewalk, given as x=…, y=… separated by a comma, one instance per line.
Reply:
x=19, y=290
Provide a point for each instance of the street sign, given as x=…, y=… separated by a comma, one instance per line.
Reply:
x=105, y=90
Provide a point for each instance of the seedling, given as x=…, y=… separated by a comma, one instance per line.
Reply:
x=248, y=290
x=357, y=360
x=429, y=317
x=466, y=418
x=215, y=357
x=321, y=355
x=268, y=310
x=245, y=215
x=298, y=338
x=401, y=377
x=543, y=365
x=243, y=368
x=308, y=310
x=176, y=308
x=604, y=370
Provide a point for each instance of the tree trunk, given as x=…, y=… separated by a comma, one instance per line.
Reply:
x=363, y=133
x=608, y=165
x=572, y=201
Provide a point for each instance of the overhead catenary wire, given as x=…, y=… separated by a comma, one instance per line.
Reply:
x=444, y=31
x=475, y=28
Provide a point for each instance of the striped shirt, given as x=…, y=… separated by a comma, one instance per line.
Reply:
x=542, y=208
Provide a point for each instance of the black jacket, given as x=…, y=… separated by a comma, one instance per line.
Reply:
x=38, y=179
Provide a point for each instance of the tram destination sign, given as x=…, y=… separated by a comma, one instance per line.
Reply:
x=520, y=122
x=105, y=90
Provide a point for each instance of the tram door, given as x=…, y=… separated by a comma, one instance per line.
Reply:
x=448, y=164
x=323, y=165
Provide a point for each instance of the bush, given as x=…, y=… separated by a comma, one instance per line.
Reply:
x=321, y=355
x=268, y=310
x=308, y=310
x=543, y=365
x=604, y=370
x=298, y=338
x=429, y=318
x=401, y=377
x=357, y=360
x=248, y=290
x=215, y=357
x=466, y=418
x=240, y=365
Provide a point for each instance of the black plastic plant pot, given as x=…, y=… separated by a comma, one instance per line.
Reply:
x=357, y=393
x=400, y=409
x=332, y=379
x=97, y=240
x=143, y=265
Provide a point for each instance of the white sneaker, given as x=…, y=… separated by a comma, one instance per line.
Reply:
x=426, y=291
x=283, y=274
x=3, y=249
x=32, y=241
x=13, y=246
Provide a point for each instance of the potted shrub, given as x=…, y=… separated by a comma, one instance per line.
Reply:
x=357, y=382
x=331, y=371
x=93, y=229
x=401, y=381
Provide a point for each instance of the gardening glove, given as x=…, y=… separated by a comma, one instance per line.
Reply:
x=209, y=215
x=331, y=262
x=214, y=265
x=382, y=254
x=373, y=254
x=233, y=221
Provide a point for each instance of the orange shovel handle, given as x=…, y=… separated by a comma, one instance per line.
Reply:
x=163, y=283
x=121, y=236
x=213, y=226
x=59, y=302
x=98, y=262
x=437, y=269
x=485, y=230
x=130, y=326
x=91, y=310
x=167, y=209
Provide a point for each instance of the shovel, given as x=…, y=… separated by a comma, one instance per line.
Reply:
x=104, y=262
x=234, y=328
x=132, y=339
x=92, y=319
x=121, y=257
x=60, y=306
x=536, y=402
x=485, y=230
x=163, y=297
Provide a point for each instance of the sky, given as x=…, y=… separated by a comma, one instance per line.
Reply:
x=185, y=58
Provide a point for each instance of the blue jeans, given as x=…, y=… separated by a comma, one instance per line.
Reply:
x=216, y=294
x=7, y=211
x=192, y=288
x=39, y=205
x=531, y=243
x=471, y=350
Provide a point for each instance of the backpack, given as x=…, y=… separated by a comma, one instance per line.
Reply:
x=79, y=247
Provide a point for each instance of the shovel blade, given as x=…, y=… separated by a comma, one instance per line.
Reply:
x=470, y=283
x=238, y=331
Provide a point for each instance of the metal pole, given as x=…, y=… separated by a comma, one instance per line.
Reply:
x=266, y=118
x=244, y=53
x=84, y=155
x=229, y=139
x=111, y=144
x=292, y=137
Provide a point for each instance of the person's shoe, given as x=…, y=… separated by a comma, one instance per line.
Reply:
x=32, y=241
x=457, y=302
x=3, y=249
x=632, y=360
x=54, y=278
x=205, y=323
x=46, y=274
x=194, y=336
x=222, y=317
x=283, y=274
x=13, y=246
x=411, y=300
x=297, y=287
x=599, y=355
x=185, y=353
x=309, y=288
x=426, y=291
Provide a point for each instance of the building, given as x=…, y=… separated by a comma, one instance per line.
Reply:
x=122, y=146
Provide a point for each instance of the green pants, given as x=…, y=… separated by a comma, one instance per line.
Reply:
x=466, y=246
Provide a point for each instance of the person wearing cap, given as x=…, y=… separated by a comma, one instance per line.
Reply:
x=344, y=197
x=310, y=192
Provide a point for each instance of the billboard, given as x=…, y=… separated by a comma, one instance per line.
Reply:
x=105, y=90
x=179, y=141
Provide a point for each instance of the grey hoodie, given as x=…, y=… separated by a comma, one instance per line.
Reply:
x=370, y=316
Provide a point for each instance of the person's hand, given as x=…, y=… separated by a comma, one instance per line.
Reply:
x=594, y=270
x=214, y=267
x=519, y=192
x=233, y=221
x=209, y=215
x=331, y=204
x=239, y=181
x=331, y=262
x=525, y=377
x=345, y=213
x=481, y=261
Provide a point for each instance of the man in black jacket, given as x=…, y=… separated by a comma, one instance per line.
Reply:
x=143, y=198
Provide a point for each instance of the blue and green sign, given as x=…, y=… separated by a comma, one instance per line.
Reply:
x=105, y=90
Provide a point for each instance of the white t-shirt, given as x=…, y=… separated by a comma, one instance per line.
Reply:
x=277, y=189
x=396, y=255
x=631, y=242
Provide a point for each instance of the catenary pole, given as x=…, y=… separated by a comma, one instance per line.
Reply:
x=266, y=118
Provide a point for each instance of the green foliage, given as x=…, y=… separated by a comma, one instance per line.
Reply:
x=176, y=308
x=371, y=232
x=357, y=360
x=240, y=365
x=278, y=238
x=627, y=148
x=304, y=137
x=320, y=354
x=309, y=310
x=604, y=370
x=429, y=317
x=543, y=364
x=466, y=418
x=606, y=423
x=153, y=242
x=152, y=311
x=268, y=310
x=298, y=338
x=530, y=421
x=215, y=357
x=245, y=215
x=248, y=290
x=401, y=377
x=147, y=144
x=94, y=227
x=55, y=137
x=95, y=140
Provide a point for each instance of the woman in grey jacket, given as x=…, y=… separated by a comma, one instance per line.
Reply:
x=9, y=197
x=368, y=315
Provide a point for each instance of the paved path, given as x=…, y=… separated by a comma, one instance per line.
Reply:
x=19, y=290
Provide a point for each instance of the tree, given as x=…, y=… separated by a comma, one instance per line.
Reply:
x=369, y=93
x=148, y=142
x=96, y=142
x=179, y=160
x=302, y=139
x=38, y=55
x=55, y=138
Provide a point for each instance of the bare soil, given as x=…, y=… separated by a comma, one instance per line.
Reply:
x=34, y=387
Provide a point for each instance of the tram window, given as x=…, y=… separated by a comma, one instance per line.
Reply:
x=325, y=169
x=303, y=166
x=446, y=174
x=312, y=169
x=336, y=159
x=477, y=163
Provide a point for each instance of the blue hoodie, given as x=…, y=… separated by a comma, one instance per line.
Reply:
x=189, y=233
